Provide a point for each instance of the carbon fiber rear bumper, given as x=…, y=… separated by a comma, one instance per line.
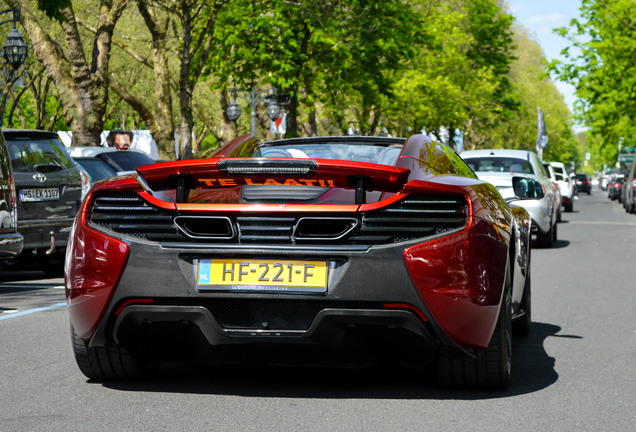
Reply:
x=328, y=327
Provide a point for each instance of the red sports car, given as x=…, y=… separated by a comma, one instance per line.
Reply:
x=303, y=250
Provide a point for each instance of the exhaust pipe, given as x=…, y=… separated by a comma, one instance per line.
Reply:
x=52, y=248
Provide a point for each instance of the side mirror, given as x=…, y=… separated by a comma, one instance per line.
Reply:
x=527, y=188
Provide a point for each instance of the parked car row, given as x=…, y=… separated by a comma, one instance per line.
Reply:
x=41, y=189
x=622, y=188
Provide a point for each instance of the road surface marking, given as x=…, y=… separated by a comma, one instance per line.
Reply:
x=30, y=311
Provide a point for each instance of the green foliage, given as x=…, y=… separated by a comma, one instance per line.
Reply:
x=405, y=64
x=518, y=130
x=601, y=67
x=53, y=8
x=338, y=53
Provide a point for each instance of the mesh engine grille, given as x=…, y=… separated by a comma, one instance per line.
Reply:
x=412, y=218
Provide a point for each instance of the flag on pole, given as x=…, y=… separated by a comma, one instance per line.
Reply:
x=542, y=134
x=279, y=126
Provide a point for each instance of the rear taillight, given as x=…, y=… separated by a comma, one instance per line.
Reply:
x=94, y=264
x=86, y=183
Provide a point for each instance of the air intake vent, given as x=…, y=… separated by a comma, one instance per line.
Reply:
x=131, y=215
x=412, y=218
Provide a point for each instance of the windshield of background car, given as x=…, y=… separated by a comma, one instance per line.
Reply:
x=126, y=160
x=499, y=164
x=581, y=176
x=42, y=155
x=351, y=152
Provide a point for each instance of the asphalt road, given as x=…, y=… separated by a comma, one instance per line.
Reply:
x=575, y=372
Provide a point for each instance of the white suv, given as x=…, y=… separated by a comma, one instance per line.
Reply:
x=567, y=188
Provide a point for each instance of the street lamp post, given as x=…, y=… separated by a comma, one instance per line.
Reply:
x=15, y=49
x=253, y=98
x=14, y=52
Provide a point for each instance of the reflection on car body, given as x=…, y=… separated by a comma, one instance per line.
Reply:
x=11, y=241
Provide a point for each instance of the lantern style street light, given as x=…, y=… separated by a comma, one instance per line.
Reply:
x=253, y=98
x=15, y=50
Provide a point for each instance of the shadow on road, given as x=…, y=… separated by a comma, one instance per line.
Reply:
x=19, y=281
x=559, y=244
x=533, y=370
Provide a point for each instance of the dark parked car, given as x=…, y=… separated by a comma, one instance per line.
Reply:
x=614, y=186
x=96, y=168
x=629, y=189
x=125, y=161
x=49, y=192
x=583, y=183
x=11, y=241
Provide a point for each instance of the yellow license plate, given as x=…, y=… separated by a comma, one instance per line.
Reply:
x=262, y=275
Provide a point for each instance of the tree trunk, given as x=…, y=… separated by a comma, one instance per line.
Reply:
x=185, y=88
x=82, y=87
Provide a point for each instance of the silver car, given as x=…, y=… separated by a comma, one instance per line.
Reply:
x=498, y=166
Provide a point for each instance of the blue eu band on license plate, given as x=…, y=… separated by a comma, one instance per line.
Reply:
x=258, y=275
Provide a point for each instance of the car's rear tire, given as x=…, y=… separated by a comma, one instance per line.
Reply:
x=490, y=369
x=569, y=207
x=107, y=363
x=53, y=265
x=546, y=240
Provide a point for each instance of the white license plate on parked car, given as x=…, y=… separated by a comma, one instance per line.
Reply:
x=48, y=194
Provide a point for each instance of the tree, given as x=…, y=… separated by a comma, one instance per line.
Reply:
x=602, y=69
x=528, y=74
x=325, y=54
x=81, y=79
x=444, y=86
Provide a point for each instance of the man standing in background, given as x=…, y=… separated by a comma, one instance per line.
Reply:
x=120, y=139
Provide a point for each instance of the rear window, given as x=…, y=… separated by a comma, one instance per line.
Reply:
x=349, y=152
x=557, y=170
x=499, y=164
x=41, y=155
x=581, y=176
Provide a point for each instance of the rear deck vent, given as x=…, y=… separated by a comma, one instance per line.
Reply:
x=412, y=218
x=131, y=215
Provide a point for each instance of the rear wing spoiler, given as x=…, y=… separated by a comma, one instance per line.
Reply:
x=229, y=172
